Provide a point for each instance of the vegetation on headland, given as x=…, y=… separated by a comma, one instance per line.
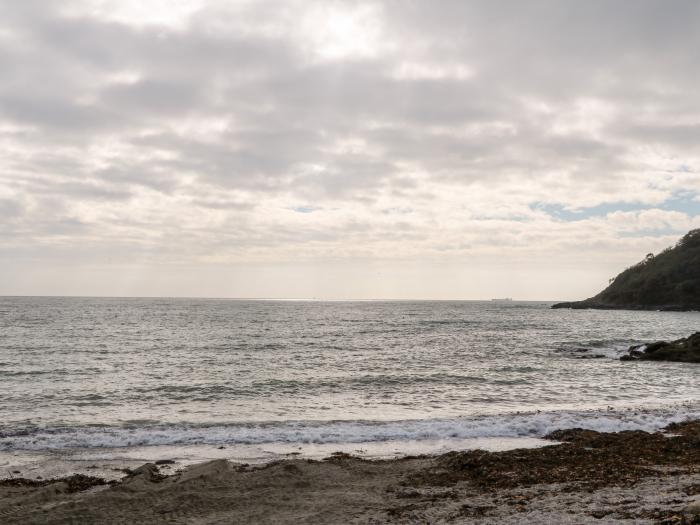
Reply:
x=667, y=281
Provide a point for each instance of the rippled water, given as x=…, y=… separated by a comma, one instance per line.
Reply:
x=83, y=372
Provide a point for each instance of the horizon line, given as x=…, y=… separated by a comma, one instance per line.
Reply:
x=299, y=299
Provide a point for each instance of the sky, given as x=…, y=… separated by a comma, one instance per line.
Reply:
x=343, y=150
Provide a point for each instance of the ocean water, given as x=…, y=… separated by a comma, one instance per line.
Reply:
x=119, y=374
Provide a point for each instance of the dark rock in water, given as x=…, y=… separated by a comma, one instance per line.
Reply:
x=668, y=281
x=686, y=350
x=165, y=462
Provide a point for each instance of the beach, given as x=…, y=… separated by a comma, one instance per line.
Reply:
x=216, y=411
x=331, y=262
x=582, y=477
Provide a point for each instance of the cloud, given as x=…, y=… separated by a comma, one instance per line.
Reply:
x=192, y=131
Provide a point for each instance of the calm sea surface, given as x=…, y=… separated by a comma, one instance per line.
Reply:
x=85, y=372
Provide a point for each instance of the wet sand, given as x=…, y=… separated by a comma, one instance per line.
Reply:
x=586, y=477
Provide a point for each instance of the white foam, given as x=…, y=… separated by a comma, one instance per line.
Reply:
x=531, y=424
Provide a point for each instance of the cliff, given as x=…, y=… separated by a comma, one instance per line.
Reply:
x=667, y=281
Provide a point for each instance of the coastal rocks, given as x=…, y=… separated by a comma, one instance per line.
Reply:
x=693, y=509
x=685, y=350
x=579, y=353
x=148, y=472
x=210, y=471
x=584, y=457
x=141, y=477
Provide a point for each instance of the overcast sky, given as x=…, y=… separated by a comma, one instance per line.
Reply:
x=397, y=149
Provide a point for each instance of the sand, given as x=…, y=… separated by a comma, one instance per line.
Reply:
x=589, y=477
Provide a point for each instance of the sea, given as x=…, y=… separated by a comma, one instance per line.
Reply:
x=254, y=380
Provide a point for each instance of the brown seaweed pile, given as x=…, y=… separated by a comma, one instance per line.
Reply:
x=586, y=457
x=74, y=483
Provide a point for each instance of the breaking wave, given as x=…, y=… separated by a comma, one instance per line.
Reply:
x=531, y=424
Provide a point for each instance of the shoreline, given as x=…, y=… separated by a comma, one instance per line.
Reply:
x=586, y=305
x=584, y=476
x=108, y=463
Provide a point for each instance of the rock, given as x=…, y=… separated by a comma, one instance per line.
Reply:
x=686, y=350
x=206, y=472
x=145, y=474
x=693, y=508
x=147, y=471
x=165, y=462
x=653, y=347
x=80, y=482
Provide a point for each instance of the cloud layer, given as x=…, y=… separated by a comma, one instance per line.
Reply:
x=469, y=142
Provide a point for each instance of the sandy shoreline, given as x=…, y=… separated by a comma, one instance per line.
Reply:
x=590, y=477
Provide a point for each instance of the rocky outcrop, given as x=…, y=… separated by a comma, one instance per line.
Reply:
x=667, y=281
x=686, y=350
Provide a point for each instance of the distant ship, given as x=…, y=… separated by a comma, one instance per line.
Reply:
x=503, y=300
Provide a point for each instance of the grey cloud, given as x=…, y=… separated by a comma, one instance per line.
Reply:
x=678, y=135
x=348, y=176
x=90, y=191
x=576, y=35
x=245, y=165
x=218, y=204
x=10, y=209
x=286, y=114
x=146, y=96
x=147, y=174
x=55, y=112
x=357, y=92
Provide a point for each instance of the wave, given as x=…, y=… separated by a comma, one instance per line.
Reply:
x=531, y=424
x=610, y=348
